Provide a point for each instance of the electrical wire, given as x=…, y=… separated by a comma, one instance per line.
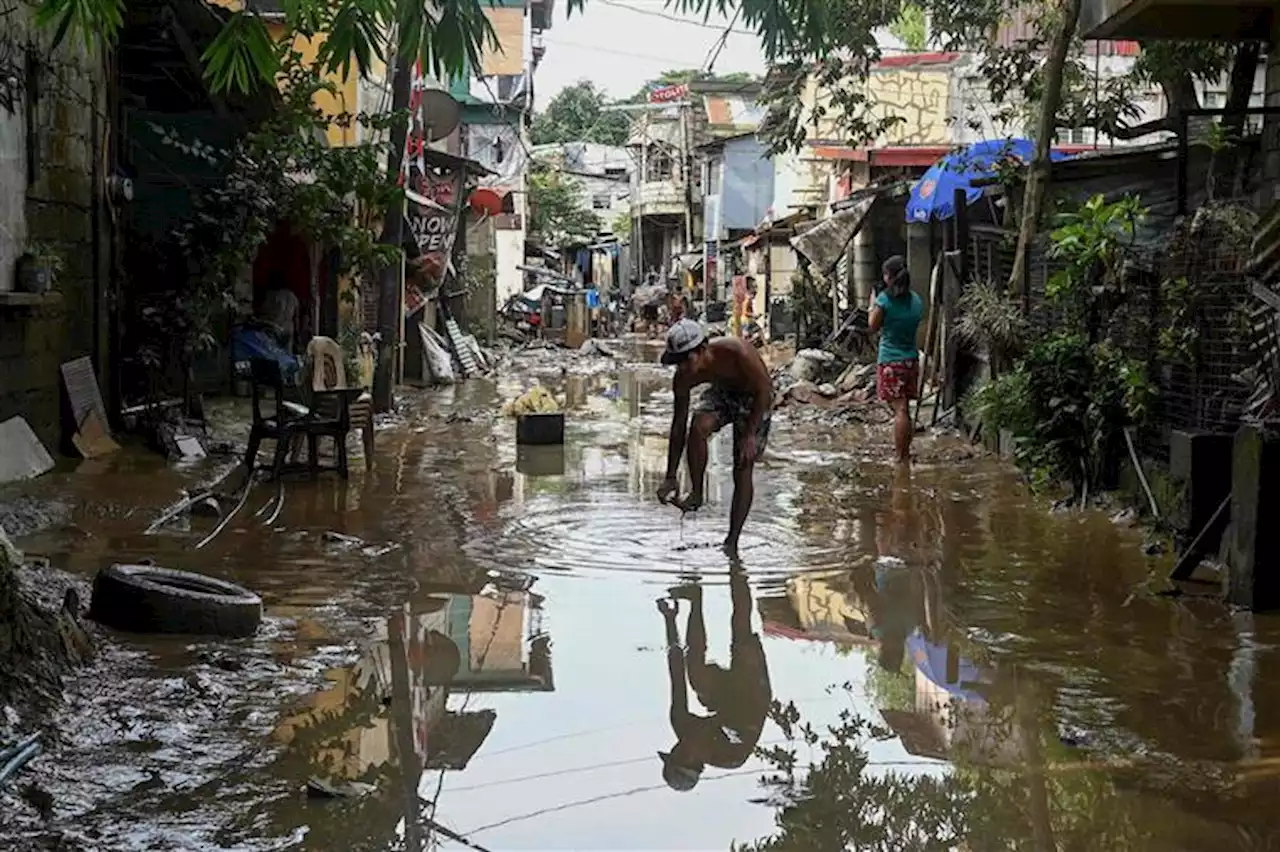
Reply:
x=670, y=17
x=714, y=54
x=612, y=51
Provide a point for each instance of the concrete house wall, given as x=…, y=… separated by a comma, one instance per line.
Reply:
x=48, y=195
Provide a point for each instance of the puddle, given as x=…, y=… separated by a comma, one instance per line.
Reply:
x=974, y=670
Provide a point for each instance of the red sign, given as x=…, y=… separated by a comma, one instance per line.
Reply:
x=667, y=94
x=413, y=300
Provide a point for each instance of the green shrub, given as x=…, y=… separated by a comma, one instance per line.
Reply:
x=1067, y=403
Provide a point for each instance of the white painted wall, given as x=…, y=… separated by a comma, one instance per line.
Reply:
x=508, y=250
x=13, y=192
x=970, y=105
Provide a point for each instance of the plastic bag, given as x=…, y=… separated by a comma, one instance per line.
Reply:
x=435, y=357
x=536, y=400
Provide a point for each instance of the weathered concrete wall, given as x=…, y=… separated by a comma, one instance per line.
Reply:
x=55, y=207
x=920, y=98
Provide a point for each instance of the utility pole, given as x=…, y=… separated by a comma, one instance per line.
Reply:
x=686, y=169
x=638, y=229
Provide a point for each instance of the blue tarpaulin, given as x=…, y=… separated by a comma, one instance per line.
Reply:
x=933, y=196
x=248, y=343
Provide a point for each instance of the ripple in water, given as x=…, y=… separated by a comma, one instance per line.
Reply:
x=613, y=532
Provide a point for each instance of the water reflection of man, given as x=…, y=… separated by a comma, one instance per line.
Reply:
x=738, y=697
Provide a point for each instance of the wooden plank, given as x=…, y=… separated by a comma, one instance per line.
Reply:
x=1266, y=295
x=83, y=392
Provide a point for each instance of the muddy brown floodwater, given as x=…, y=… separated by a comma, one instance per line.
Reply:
x=951, y=665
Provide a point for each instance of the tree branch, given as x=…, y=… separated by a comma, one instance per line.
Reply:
x=1038, y=177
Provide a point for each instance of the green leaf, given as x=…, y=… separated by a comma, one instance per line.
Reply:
x=242, y=56
x=90, y=19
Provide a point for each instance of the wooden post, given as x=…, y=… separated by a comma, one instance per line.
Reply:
x=949, y=345
x=960, y=241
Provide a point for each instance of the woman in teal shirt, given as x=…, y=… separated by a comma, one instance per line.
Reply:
x=895, y=312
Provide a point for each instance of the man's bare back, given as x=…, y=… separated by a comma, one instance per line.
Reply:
x=733, y=364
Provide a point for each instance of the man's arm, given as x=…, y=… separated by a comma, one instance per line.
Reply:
x=679, y=427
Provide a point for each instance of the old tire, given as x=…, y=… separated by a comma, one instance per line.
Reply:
x=147, y=599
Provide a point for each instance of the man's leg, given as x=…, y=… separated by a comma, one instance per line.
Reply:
x=743, y=489
x=702, y=676
x=702, y=427
x=740, y=595
x=743, y=493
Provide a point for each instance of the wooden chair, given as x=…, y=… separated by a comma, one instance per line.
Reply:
x=290, y=421
x=329, y=379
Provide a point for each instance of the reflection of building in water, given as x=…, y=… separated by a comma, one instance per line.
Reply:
x=502, y=644
x=348, y=730
x=647, y=465
x=450, y=643
x=950, y=718
x=822, y=607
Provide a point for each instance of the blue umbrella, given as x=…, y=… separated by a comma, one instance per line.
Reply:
x=933, y=196
x=931, y=660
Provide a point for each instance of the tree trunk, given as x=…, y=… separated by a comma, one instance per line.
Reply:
x=1229, y=164
x=1179, y=95
x=1038, y=174
x=392, y=234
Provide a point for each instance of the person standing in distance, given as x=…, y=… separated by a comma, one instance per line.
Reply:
x=895, y=312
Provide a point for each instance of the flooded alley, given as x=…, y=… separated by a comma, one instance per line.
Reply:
x=925, y=660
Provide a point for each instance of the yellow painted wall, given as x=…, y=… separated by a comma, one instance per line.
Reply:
x=496, y=633
x=343, y=99
x=920, y=96
x=508, y=56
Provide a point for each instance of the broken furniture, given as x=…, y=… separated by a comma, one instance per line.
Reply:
x=329, y=385
x=291, y=421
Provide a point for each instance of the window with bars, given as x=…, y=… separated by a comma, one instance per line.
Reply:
x=658, y=166
x=1075, y=136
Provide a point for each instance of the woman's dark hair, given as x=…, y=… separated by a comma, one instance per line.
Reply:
x=897, y=278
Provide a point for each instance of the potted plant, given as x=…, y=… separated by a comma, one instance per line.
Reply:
x=38, y=268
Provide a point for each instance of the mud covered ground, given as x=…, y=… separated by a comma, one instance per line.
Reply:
x=486, y=653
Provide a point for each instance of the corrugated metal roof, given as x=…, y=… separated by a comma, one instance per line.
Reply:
x=733, y=111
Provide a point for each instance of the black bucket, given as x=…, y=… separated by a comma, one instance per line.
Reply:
x=540, y=429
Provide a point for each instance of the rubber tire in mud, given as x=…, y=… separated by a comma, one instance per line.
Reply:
x=147, y=599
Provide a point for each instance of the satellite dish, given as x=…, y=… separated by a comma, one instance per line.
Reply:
x=440, y=114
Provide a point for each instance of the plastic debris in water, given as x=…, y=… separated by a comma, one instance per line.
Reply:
x=536, y=400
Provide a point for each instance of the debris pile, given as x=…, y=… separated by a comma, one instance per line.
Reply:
x=547, y=360
x=836, y=386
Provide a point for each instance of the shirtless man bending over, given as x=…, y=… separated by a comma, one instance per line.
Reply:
x=740, y=392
